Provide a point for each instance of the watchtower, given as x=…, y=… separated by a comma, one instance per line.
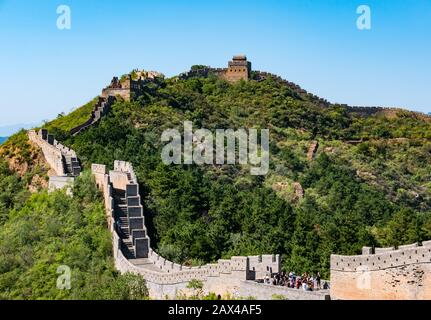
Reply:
x=238, y=68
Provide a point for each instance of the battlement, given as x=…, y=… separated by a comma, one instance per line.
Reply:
x=383, y=258
x=51, y=154
x=62, y=160
x=238, y=69
x=159, y=272
x=383, y=273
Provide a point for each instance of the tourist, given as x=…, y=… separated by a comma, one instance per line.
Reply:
x=306, y=281
x=298, y=282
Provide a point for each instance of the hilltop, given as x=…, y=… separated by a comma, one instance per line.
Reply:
x=340, y=177
x=369, y=169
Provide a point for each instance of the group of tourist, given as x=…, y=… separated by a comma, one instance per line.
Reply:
x=306, y=282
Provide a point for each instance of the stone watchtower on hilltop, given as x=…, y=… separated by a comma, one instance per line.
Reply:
x=238, y=69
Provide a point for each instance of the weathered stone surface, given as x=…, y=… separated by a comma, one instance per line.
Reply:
x=165, y=277
x=238, y=69
x=403, y=274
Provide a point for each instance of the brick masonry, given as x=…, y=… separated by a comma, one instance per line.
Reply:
x=388, y=274
x=62, y=160
x=164, y=277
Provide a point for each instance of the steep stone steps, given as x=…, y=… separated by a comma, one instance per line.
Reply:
x=122, y=221
x=127, y=249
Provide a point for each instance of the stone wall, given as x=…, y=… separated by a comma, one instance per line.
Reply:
x=52, y=154
x=164, y=277
x=124, y=93
x=101, y=108
x=238, y=69
x=389, y=273
x=62, y=160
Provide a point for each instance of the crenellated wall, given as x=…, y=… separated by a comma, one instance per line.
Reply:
x=165, y=278
x=62, y=160
x=389, y=273
x=101, y=108
x=238, y=69
x=52, y=154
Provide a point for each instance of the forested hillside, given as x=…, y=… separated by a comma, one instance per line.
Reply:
x=368, y=184
x=40, y=232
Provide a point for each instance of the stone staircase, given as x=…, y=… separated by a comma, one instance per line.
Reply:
x=71, y=166
x=122, y=223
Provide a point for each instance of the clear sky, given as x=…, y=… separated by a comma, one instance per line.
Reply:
x=314, y=43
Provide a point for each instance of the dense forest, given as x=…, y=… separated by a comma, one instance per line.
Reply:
x=40, y=233
x=368, y=184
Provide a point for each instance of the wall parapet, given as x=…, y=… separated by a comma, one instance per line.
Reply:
x=52, y=154
x=61, y=159
x=384, y=258
x=159, y=270
x=101, y=108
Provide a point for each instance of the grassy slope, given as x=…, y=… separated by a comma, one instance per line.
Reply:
x=73, y=119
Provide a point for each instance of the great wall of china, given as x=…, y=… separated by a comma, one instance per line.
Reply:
x=380, y=273
x=383, y=273
x=62, y=160
x=133, y=253
x=101, y=108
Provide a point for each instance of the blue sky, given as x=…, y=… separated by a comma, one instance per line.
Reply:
x=315, y=43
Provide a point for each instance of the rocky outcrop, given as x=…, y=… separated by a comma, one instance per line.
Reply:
x=312, y=150
x=62, y=160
